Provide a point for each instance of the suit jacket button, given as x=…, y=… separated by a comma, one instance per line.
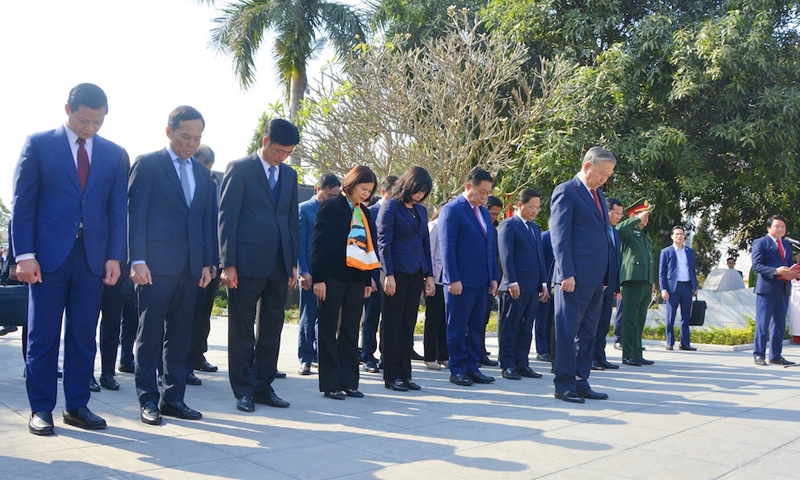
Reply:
x=77, y=223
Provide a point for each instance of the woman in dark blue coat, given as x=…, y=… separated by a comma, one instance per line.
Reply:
x=405, y=253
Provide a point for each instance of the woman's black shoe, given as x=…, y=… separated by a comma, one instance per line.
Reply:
x=398, y=385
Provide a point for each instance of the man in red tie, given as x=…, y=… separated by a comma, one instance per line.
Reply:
x=772, y=257
x=68, y=228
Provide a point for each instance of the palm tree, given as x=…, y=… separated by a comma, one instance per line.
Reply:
x=296, y=24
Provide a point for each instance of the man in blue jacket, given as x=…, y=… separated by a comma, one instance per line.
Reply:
x=678, y=280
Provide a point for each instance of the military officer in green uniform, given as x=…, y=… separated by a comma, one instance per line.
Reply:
x=636, y=280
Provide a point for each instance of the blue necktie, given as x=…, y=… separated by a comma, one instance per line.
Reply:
x=272, y=179
x=187, y=191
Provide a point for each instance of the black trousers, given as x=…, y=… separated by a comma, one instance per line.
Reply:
x=253, y=354
x=399, y=320
x=201, y=326
x=118, y=322
x=337, y=339
x=435, y=333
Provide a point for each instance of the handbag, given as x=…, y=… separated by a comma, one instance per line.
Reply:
x=13, y=305
x=697, y=317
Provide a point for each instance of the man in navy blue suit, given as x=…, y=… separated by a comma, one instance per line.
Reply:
x=612, y=292
x=678, y=280
x=68, y=229
x=170, y=208
x=469, y=270
x=772, y=257
x=578, y=231
x=523, y=284
x=328, y=186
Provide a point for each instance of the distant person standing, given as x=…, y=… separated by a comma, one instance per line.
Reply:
x=772, y=257
x=68, y=231
x=637, y=280
x=578, y=223
x=328, y=186
x=435, y=331
x=259, y=243
x=678, y=279
x=495, y=207
x=611, y=294
x=170, y=208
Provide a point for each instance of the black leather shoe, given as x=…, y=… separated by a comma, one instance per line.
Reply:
x=608, y=365
x=488, y=362
x=511, y=374
x=107, y=381
x=180, y=410
x=480, y=378
x=279, y=374
x=759, y=360
x=597, y=366
x=461, y=379
x=410, y=385
x=192, y=379
x=353, y=393
x=568, y=396
x=84, y=418
x=305, y=369
x=592, y=395
x=669, y=347
x=269, y=398
x=644, y=361
x=688, y=349
x=204, y=366
x=245, y=404
x=150, y=414
x=371, y=366
x=544, y=357
x=617, y=346
x=334, y=395
x=528, y=372
x=6, y=330
x=780, y=361
x=93, y=385
x=416, y=356
x=397, y=385
x=41, y=423
x=632, y=362
x=125, y=368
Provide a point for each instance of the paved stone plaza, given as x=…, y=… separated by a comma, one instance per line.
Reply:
x=699, y=415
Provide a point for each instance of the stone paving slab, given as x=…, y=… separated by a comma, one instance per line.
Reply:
x=705, y=414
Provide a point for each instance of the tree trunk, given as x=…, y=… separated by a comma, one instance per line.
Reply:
x=297, y=90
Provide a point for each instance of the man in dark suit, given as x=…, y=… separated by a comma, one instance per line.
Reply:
x=612, y=292
x=373, y=305
x=543, y=322
x=636, y=278
x=523, y=284
x=495, y=207
x=170, y=209
x=201, y=326
x=68, y=231
x=328, y=186
x=469, y=270
x=678, y=279
x=772, y=257
x=259, y=241
x=578, y=224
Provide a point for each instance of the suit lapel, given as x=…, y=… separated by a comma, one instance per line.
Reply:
x=200, y=185
x=587, y=197
x=471, y=214
x=99, y=152
x=169, y=170
x=64, y=151
x=261, y=175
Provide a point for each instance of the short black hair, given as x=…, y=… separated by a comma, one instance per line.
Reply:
x=204, y=155
x=677, y=227
x=775, y=217
x=282, y=132
x=328, y=180
x=526, y=195
x=612, y=202
x=493, y=201
x=87, y=94
x=388, y=183
x=182, y=114
x=356, y=175
x=415, y=179
x=478, y=175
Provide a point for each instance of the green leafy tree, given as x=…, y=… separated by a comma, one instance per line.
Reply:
x=5, y=217
x=704, y=243
x=301, y=28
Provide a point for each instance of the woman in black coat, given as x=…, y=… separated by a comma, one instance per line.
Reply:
x=340, y=288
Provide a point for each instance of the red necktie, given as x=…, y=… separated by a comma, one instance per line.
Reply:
x=597, y=201
x=83, y=163
x=780, y=249
x=478, y=216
